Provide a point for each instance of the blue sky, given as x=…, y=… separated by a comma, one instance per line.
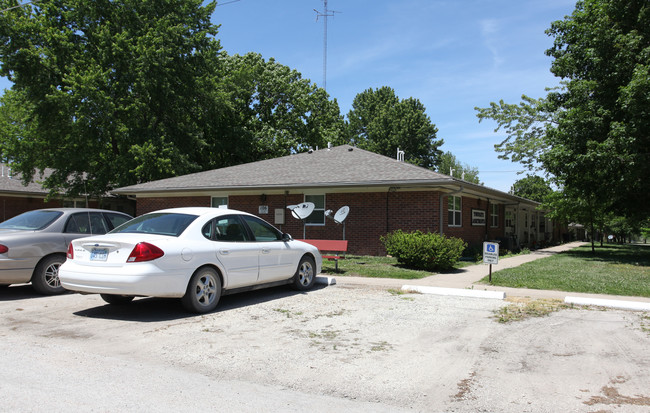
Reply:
x=452, y=55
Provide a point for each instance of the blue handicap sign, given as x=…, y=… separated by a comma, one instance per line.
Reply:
x=490, y=248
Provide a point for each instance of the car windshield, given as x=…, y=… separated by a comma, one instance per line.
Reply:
x=32, y=220
x=157, y=223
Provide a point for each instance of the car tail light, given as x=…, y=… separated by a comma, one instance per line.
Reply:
x=3, y=249
x=145, y=252
x=70, y=253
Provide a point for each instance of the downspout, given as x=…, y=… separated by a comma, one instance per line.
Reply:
x=442, y=220
x=390, y=189
x=488, y=217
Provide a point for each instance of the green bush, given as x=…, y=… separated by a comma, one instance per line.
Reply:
x=424, y=251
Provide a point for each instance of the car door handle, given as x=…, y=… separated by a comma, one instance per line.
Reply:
x=224, y=252
x=265, y=250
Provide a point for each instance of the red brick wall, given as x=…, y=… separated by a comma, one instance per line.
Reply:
x=145, y=205
x=371, y=215
x=12, y=206
x=474, y=234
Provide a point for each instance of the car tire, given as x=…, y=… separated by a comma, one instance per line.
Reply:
x=45, y=279
x=203, y=291
x=305, y=276
x=117, y=299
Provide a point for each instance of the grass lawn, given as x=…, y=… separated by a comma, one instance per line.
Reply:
x=613, y=269
x=377, y=267
x=382, y=267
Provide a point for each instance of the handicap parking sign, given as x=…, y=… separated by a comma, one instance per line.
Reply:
x=490, y=253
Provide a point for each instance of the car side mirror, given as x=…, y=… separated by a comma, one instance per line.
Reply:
x=286, y=237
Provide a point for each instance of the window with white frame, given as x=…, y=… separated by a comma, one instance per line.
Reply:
x=318, y=216
x=73, y=204
x=454, y=208
x=219, y=202
x=509, y=222
x=494, y=215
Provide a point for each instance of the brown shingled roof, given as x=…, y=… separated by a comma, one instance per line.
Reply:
x=13, y=184
x=339, y=166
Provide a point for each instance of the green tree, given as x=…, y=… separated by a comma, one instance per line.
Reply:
x=532, y=187
x=601, y=142
x=380, y=122
x=274, y=111
x=117, y=88
x=590, y=135
x=448, y=161
x=14, y=123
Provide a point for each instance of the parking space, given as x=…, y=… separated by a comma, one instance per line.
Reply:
x=348, y=348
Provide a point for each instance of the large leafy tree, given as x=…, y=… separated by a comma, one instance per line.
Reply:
x=274, y=111
x=117, y=89
x=532, y=187
x=448, y=164
x=380, y=122
x=603, y=131
x=591, y=135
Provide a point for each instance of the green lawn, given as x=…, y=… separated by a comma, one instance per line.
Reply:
x=377, y=267
x=613, y=269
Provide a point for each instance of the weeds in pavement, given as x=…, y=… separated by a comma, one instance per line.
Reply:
x=523, y=309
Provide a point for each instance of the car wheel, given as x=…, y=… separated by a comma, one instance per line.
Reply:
x=304, y=278
x=203, y=291
x=116, y=299
x=45, y=279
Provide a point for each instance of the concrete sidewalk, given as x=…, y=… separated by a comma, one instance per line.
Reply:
x=469, y=277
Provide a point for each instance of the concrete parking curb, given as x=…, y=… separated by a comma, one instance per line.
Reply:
x=325, y=281
x=625, y=305
x=459, y=292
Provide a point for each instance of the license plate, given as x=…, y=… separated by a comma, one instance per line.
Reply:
x=99, y=254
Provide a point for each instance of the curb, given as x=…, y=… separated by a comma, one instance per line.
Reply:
x=325, y=281
x=625, y=305
x=458, y=292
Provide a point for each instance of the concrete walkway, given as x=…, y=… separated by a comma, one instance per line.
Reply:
x=469, y=277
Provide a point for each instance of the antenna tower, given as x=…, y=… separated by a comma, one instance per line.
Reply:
x=325, y=14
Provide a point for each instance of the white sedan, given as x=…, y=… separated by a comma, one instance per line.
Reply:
x=196, y=254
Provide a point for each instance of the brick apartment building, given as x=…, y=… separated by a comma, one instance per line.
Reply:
x=383, y=195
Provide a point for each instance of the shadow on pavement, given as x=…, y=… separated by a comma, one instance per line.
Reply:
x=164, y=309
x=21, y=292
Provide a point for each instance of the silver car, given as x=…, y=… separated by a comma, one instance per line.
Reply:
x=33, y=244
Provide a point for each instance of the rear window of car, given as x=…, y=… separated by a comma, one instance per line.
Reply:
x=32, y=220
x=116, y=219
x=157, y=223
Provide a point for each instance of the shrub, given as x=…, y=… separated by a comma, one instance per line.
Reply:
x=424, y=251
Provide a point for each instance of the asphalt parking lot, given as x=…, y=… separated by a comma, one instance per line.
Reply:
x=335, y=348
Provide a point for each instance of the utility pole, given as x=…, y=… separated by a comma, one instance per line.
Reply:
x=325, y=14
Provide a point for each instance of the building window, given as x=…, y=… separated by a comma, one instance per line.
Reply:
x=510, y=222
x=219, y=202
x=526, y=220
x=454, y=210
x=494, y=215
x=318, y=216
x=73, y=204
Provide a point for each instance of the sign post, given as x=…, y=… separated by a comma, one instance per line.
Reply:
x=490, y=255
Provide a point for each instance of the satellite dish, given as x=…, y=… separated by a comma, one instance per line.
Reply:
x=341, y=214
x=302, y=211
